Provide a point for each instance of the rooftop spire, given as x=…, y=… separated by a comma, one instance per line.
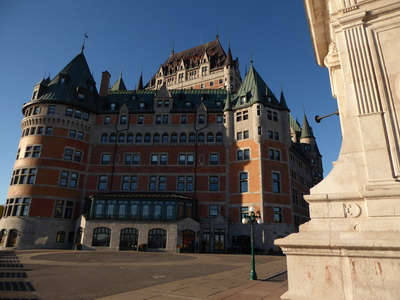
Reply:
x=140, y=82
x=85, y=36
x=306, y=130
x=217, y=35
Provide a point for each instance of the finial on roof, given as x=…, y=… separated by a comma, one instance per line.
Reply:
x=173, y=48
x=251, y=59
x=85, y=36
x=217, y=36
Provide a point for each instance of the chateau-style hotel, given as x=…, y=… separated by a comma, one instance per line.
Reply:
x=176, y=162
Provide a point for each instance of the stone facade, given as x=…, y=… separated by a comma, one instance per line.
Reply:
x=350, y=248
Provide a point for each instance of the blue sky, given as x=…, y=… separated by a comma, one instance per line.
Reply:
x=41, y=37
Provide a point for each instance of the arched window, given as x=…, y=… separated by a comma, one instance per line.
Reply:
x=104, y=138
x=147, y=138
x=121, y=138
x=174, y=138
x=219, y=138
x=182, y=138
x=128, y=239
x=101, y=237
x=113, y=138
x=129, y=138
x=156, y=138
x=139, y=138
x=3, y=236
x=200, y=137
x=165, y=138
x=157, y=238
x=210, y=138
x=192, y=137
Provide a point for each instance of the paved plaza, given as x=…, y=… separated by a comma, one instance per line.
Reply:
x=60, y=274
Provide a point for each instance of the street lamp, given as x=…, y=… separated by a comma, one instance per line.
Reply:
x=252, y=217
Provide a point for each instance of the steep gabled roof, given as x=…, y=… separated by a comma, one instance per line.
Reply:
x=119, y=85
x=306, y=130
x=74, y=77
x=254, y=90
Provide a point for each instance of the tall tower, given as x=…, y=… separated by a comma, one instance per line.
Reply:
x=46, y=190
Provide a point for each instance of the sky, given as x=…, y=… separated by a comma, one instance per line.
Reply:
x=39, y=38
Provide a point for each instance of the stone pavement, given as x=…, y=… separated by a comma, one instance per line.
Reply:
x=76, y=275
x=224, y=285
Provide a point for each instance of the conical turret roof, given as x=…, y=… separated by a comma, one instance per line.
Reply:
x=306, y=130
x=119, y=85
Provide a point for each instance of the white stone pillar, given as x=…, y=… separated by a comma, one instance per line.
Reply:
x=351, y=247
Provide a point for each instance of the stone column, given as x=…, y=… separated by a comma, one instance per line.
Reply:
x=351, y=247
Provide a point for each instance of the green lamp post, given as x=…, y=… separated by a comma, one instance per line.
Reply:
x=252, y=218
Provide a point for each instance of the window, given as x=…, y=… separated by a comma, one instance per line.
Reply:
x=157, y=238
x=245, y=134
x=275, y=116
x=129, y=138
x=185, y=183
x=243, y=182
x=40, y=130
x=258, y=110
x=201, y=119
x=159, y=103
x=186, y=159
x=132, y=159
x=139, y=138
x=104, y=138
x=214, y=159
x=157, y=183
x=85, y=116
x=69, y=112
x=102, y=183
x=105, y=159
x=244, y=212
x=269, y=115
x=245, y=115
x=238, y=116
x=276, y=136
x=206, y=236
x=24, y=176
x=123, y=120
x=147, y=138
x=182, y=138
x=219, y=119
x=183, y=119
x=158, y=119
x=239, y=136
x=63, y=209
x=165, y=138
x=213, y=210
x=201, y=137
x=49, y=130
x=210, y=138
x=113, y=106
x=72, y=134
x=213, y=183
x=68, y=179
x=219, y=138
x=121, y=138
x=278, y=214
x=129, y=182
x=101, y=237
x=60, y=236
x=106, y=120
x=243, y=154
x=270, y=134
x=33, y=151
x=274, y=154
x=165, y=119
x=140, y=120
x=80, y=136
x=71, y=154
x=51, y=110
x=174, y=138
x=78, y=114
x=276, y=182
x=18, y=153
x=294, y=196
x=142, y=105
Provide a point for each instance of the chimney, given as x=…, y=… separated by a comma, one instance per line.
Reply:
x=105, y=83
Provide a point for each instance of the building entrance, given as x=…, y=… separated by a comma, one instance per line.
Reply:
x=219, y=240
x=12, y=238
x=128, y=239
x=188, y=240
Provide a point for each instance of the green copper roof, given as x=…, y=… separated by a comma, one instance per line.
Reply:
x=306, y=130
x=254, y=90
x=74, y=79
x=294, y=124
x=119, y=85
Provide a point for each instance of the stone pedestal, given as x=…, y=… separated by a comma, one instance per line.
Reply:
x=351, y=247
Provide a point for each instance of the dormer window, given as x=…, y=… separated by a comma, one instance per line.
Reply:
x=142, y=105
x=166, y=103
x=113, y=106
x=243, y=100
x=81, y=96
x=62, y=80
x=188, y=104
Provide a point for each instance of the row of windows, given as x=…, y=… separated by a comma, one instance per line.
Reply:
x=157, y=237
x=39, y=130
x=17, y=207
x=51, y=110
x=164, y=138
x=155, y=159
x=23, y=176
x=141, y=209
